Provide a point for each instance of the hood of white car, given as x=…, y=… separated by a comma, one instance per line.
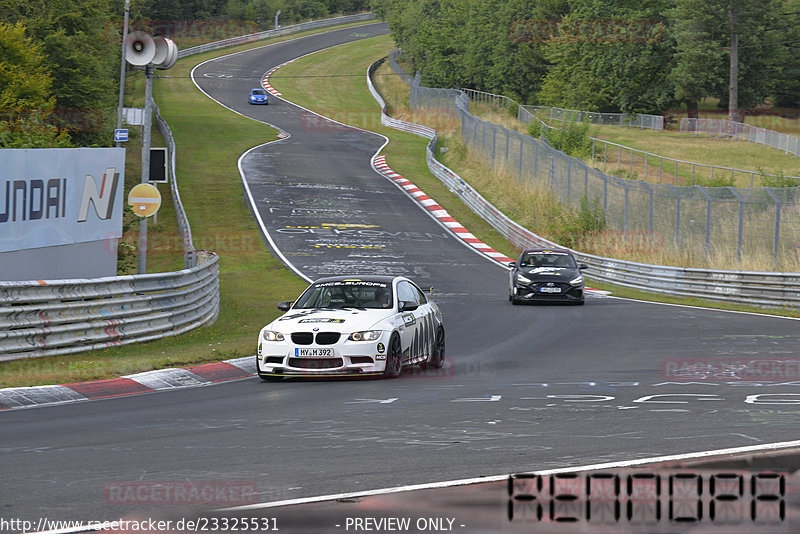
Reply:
x=329, y=320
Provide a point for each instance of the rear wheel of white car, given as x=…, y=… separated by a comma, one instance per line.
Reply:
x=437, y=357
x=394, y=357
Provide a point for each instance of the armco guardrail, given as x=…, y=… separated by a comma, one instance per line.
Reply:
x=183, y=221
x=303, y=26
x=66, y=316
x=749, y=287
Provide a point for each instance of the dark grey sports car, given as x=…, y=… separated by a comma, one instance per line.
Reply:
x=542, y=274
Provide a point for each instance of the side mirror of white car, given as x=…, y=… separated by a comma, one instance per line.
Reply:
x=406, y=305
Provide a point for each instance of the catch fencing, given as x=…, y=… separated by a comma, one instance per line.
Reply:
x=740, y=130
x=728, y=220
x=639, y=120
x=749, y=287
x=637, y=163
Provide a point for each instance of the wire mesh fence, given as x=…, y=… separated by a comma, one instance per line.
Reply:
x=735, y=221
x=639, y=120
x=739, y=130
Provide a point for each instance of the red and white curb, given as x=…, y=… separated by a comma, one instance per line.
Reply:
x=265, y=79
x=147, y=382
x=438, y=211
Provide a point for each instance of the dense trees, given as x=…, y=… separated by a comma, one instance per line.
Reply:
x=607, y=55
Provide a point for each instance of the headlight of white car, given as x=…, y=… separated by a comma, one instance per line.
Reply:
x=576, y=281
x=367, y=335
x=522, y=279
x=270, y=335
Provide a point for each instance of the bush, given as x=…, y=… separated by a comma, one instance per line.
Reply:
x=573, y=139
x=574, y=225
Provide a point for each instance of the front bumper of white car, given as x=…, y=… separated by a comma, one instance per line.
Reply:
x=314, y=354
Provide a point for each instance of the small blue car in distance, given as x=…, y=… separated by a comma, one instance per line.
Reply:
x=258, y=96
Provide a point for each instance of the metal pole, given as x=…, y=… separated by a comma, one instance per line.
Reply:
x=122, y=68
x=276, y=18
x=148, y=121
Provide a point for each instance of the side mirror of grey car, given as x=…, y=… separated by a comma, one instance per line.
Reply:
x=583, y=266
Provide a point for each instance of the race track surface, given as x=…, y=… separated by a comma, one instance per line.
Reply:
x=525, y=387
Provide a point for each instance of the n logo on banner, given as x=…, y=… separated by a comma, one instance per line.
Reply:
x=103, y=200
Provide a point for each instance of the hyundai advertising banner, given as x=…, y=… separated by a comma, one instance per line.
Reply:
x=60, y=196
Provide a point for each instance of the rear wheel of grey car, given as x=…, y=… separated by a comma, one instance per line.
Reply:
x=394, y=357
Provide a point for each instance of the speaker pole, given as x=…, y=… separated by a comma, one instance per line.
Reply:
x=148, y=121
x=122, y=68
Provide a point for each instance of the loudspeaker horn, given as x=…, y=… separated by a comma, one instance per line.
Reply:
x=139, y=48
x=171, y=56
x=162, y=49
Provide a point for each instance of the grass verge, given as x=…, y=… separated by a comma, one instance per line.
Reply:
x=210, y=140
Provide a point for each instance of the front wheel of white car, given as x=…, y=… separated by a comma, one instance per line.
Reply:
x=394, y=355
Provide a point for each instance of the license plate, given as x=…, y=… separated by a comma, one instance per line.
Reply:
x=313, y=353
x=550, y=290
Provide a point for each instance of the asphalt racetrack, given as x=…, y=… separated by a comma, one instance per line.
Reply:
x=525, y=387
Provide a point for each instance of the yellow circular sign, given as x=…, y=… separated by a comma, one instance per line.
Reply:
x=144, y=200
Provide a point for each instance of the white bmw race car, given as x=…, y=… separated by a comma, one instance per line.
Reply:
x=353, y=325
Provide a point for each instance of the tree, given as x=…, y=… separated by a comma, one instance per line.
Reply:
x=610, y=56
x=703, y=29
x=81, y=48
x=25, y=93
x=25, y=81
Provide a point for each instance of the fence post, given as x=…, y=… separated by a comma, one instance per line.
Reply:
x=677, y=214
x=586, y=180
x=741, y=222
x=777, y=234
x=625, y=209
x=569, y=177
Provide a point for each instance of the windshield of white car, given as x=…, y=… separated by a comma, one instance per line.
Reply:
x=346, y=295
